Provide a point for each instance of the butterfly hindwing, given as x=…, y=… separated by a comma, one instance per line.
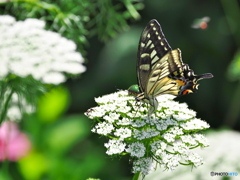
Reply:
x=160, y=81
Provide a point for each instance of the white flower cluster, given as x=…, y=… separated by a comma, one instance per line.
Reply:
x=144, y=165
x=167, y=136
x=26, y=49
x=222, y=156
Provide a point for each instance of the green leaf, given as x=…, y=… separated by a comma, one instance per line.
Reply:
x=63, y=136
x=33, y=166
x=53, y=104
x=234, y=68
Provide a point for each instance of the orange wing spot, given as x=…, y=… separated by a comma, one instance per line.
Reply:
x=186, y=92
x=180, y=83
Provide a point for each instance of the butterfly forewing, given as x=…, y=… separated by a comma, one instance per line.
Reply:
x=152, y=47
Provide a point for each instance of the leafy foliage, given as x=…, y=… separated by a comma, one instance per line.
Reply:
x=234, y=68
x=78, y=20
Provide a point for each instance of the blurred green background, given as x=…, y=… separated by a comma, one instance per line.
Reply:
x=63, y=145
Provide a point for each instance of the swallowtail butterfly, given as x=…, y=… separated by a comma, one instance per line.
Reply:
x=160, y=69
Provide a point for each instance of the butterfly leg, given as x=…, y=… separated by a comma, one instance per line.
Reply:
x=137, y=104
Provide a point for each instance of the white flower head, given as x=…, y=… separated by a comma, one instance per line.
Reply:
x=103, y=128
x=27, y=49
x=136, y=149
x=194, y=159
x=158, y=147
x=123, y=133
x=167, y=137
x=195, y=123
x=144, y=165
x=222, y=156
x=114, y=146
x=170, y=161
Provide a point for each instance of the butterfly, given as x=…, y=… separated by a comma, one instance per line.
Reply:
x=160, y=69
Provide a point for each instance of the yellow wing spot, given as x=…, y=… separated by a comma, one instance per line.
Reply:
x=162, y=44
x=153, y=79
x=155, y=59
x=159, y=38
x=157, y=66
x=142, y=44
x=153, y=53
x=148, y=35
x=144, y=55
x=166, y=57
x=152, y=24
x=165, y=66
x=176, y=54
x=156, y=72
x=145, y=67
x=157, y=34
x=165, y=49
x=148, y=43
x=154, y=29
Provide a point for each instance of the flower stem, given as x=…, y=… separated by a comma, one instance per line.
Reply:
x=5, y=105
x=132, y=9
x=136, y=176
x=4, y=172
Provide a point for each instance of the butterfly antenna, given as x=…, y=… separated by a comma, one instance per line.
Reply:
x=205, y=76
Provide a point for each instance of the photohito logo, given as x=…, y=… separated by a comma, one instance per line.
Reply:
x=223, y=173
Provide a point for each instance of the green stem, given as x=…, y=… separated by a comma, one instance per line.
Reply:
x=4, y=172
x=3, y=88
x=132, y=10
x=5, y=106
x=136, y=176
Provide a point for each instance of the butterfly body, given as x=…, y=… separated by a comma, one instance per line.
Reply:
x=160, y=69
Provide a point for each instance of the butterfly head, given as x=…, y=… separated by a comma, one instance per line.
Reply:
x=134, y=90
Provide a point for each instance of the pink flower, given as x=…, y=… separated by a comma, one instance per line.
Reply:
x=13, y=143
